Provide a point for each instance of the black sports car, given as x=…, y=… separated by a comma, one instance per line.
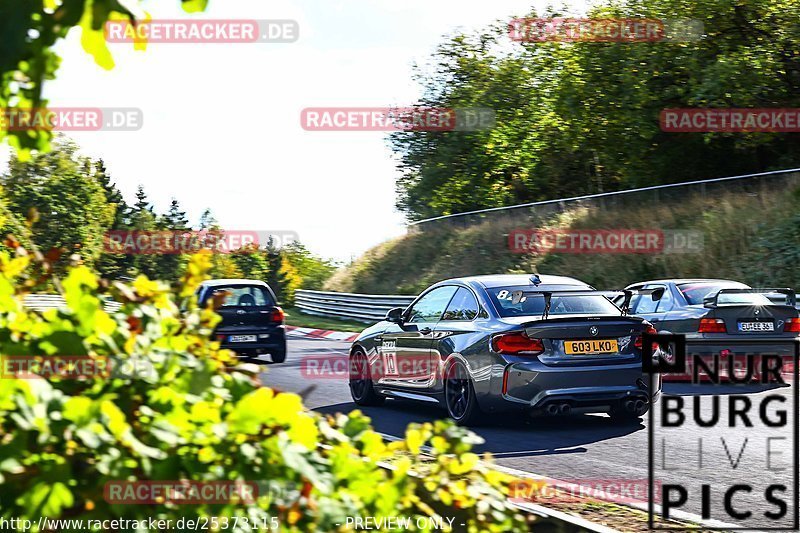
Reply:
x=542, y=344
x=252, y=322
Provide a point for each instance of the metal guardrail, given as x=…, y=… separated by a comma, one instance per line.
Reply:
x=748, y=183
x=45, y=302
x=361, y=307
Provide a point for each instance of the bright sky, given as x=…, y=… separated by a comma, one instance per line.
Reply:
x=222, y=121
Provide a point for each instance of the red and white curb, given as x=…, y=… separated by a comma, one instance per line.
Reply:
x=346, y=336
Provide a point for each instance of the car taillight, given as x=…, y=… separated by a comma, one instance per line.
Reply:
x=638, y=340
x=517, y=344
x=277, y=315
x=792, y=325
x=712, y=325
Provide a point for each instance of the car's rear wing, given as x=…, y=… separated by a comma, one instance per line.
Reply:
x=713, y=301
x=656, y=294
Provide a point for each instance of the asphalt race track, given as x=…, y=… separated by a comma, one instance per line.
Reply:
x=590, y=447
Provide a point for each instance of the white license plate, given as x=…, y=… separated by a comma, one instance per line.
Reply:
x=748, y=327
x=241, y=338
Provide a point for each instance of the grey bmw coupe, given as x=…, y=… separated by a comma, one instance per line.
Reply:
x=548, y=345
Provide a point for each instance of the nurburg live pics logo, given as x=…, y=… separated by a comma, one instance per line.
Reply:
x=725, y=447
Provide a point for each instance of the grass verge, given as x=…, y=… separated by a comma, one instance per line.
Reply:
x=749, y=237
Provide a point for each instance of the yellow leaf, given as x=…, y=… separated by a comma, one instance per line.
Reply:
x=94, y=41
x=414, y=439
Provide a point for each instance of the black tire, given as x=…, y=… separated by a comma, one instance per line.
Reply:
x=360, y=381
x=459, y=396
x=278, y=357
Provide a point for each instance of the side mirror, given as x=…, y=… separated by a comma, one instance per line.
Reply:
x=708, y=301
x=395, y=315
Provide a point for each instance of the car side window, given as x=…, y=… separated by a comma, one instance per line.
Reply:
x=463, y=306
x=430, y=307
x=667, y=301
x=646, y=304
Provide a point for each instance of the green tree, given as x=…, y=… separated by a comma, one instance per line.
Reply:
x=577, y=118
x=207, y=220
x=113, y=266
x=143, y=218
x=312, y=270
x=223, y=265
x=174, y=221
x=252, y=262
x=65, y=202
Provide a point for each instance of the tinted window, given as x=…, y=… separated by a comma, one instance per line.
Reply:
x=430, y=307
x=463, y=306
x=242, y=295
x=533, y=305
x=666, y=302
x=645, y=304
x=696, y=292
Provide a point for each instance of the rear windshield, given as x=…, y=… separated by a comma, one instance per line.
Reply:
x=533, y=305
x=696, y=292
x=242, y=296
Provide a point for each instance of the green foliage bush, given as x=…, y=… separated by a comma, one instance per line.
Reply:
x=199, y=415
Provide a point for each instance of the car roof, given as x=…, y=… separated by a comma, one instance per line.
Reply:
x=512, y=280
x=679, y=281
x=233, y=281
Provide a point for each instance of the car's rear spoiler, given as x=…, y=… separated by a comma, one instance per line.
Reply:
x=713, y=301
x=656, y=294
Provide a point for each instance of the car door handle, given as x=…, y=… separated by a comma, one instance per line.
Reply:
x=425, y=331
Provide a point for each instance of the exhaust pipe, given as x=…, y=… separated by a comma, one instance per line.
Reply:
x=630, y=406
x=565, y=409
x=640, y=407
x=552, y=409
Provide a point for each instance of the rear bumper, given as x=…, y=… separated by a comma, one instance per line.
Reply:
x=533, y=385
x=268, y=341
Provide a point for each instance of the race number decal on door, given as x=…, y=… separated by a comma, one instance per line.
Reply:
x=389, y=355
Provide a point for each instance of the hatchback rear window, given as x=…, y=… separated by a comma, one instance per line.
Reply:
x=533, y=305
x=243, y=296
